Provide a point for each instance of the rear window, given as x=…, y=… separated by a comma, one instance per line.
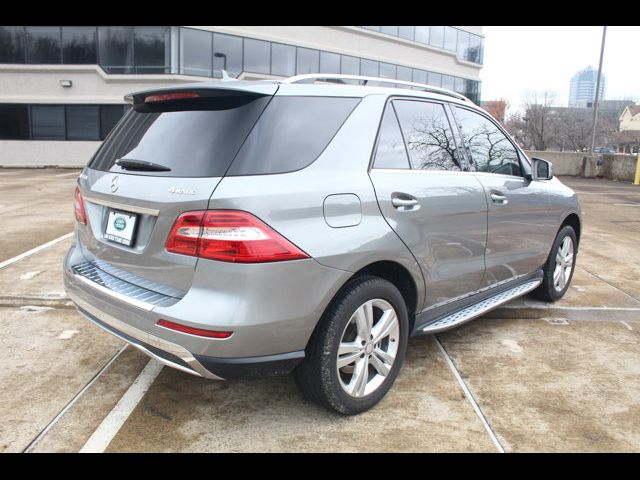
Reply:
x=291, y=134
x=192, y=143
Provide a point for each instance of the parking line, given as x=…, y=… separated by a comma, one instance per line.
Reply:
x=68, y=174
x=110, y=426
x=28, y=253
x=469, y=395
x=66, y=408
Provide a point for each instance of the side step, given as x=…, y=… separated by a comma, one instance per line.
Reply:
x=480, y=308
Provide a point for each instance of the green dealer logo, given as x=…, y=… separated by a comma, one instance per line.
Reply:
x=120, y=223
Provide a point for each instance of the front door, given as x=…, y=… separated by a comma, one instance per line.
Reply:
x=518, y=218
x=437, y=210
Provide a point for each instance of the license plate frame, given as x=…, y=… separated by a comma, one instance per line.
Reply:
x=121, y=227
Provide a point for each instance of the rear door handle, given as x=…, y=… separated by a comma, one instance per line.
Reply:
x=404, y=202
x=499, y=198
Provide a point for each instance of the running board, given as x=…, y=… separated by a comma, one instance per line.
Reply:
x=480, y=308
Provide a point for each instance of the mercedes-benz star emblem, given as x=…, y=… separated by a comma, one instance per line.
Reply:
x=115, y=183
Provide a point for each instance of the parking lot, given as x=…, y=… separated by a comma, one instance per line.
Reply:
x=529, y=376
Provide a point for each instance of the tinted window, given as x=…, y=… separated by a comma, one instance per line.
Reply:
x=436, y=36
x=47, y=122
x=422, y=34
x=152, y=49
x=427, y=134
x=308, y=61
x=227, y=54
x=257, y=56
x=193, y=143
x=391, y=151
x=490, y=149
x=115, y=48
x=283, y=60
x=291, y=134
x=329, y=62
x=109, y=116
x=12, y=45
x=368, y=67
x=79, y=45
x=195, y=52
x=43, y=45
x=83, y=122
x=14, y=122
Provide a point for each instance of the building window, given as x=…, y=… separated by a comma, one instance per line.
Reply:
x=387, y=70
x=349, y=65
x=450, y=38
x=436, y=36
x=422, y=35
x=463, y=44
x=79, y=45
x=434, y=79
x=329, y=62
x=12, y=45
x=407, y=32
x=152, y=49
x=474, y=50
x=403, y=73
x=368, y=68
x=47, y=122
x=257, y=56
x=308, y=61
x=419, y=76
x=195, y=52
x=448, y=82
x=14, y=122
x=83, y=122
x=283, y=60
x=227, y=55
x=390, y=30
x=43, y=45
x=115, y=49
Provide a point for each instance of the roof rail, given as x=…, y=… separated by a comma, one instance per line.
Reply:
x=311, y=77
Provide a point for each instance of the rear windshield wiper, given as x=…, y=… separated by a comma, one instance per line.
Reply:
x=132, y=164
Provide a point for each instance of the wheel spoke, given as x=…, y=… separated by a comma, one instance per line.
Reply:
x=348, y=352
x=359, y=379
x=348, y=359
x=368, y=313
x=384, y=325
x=379, y=365
x=559, y=257
x=384, y=356
x=557, y=273
x=361, y=323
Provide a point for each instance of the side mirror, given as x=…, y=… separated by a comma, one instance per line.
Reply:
x=543, y=170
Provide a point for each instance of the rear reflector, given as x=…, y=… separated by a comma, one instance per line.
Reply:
x=201, y=332
x=229, y=236
x=164, y=97
x=78, y=207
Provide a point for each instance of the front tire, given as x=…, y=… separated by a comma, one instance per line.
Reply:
x=558, y=270
x=358, y=348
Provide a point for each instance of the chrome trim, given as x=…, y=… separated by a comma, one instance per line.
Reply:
x=480, y=308
x=122, y=206
x=336, y=76
x=147, y=307
x=145, y=337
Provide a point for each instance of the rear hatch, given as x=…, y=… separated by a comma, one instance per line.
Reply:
x=165, y=157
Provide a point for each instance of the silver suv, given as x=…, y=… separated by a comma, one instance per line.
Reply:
x=311, y=225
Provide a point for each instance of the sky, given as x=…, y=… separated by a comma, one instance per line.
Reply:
x=521, y=59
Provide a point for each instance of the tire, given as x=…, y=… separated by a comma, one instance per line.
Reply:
x=549, y=290
x=319, y=378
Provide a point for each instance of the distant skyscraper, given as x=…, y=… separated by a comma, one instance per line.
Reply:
x=583, y=88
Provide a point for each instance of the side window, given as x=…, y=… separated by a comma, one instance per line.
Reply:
x=490, y=150
x=428, y=135
x=390, y=152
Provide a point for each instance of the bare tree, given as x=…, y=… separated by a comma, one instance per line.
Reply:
x=539, y=123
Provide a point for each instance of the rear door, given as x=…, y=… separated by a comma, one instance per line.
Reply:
x=518, y=225
x=438, y=210
x=131, y=205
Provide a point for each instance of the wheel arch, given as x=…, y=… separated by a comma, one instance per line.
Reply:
x=573, y=220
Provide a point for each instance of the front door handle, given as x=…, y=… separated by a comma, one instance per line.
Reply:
x=404, y=202
x=499, y=198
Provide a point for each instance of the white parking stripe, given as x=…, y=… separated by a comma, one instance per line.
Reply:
x=467, y=393
x=76, y=173
x=35, y=441
x=110, y=426
x=35, y=250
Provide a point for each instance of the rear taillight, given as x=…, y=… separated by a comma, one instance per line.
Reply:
x=229, y=236
x=78, y=206
x=165, y=97
x=201, y=332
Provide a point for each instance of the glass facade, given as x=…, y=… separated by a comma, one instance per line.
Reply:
x=468, y=46
x=58, y=122
x=147, y=50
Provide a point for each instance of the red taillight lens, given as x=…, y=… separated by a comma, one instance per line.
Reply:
x=165, y=97
x=78, y=206
x=229, y=236
x=201, y=332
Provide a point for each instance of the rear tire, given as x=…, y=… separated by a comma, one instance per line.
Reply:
x=344, y=371
x=558, y=271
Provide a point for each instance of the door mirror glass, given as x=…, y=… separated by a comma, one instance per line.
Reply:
x=543, y=169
